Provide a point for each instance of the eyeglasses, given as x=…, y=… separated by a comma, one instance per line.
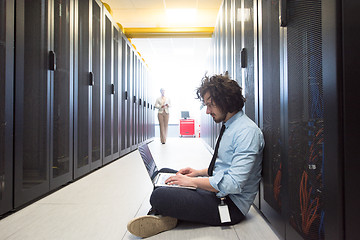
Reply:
x=208, y=105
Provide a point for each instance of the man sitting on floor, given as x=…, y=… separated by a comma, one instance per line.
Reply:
x=226, y=189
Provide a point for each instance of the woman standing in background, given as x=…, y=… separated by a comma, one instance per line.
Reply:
x=163, y=104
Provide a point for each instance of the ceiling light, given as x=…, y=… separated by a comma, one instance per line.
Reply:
x=181, y=15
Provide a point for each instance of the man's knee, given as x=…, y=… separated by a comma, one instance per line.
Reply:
x=158, y=197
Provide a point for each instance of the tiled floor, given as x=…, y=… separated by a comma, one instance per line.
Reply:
x=99, y=205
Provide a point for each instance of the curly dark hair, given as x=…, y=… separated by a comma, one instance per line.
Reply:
x=225, y=93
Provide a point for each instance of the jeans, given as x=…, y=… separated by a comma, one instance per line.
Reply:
x=199, y=206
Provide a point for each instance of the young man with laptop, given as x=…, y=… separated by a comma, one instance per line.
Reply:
x=222, y=193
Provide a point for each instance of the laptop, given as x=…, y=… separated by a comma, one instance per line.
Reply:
x=158, y=178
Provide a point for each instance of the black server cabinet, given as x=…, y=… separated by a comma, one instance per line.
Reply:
x=109, y=89
x=144, y=97
x=116, y=78
x=32, y=102
x=135, y=93
x=6, y=103
x=308, y=118
x=43, y=98
x=248, y=56
x=140, y=121
x=87, y=88
x=341, y=50
x=61, y=153
x=133, y=105
x=271, y=189
x=303, y=120
x=130, y=102
x=111, y=80
x=124, y=96
x=127, y=98
x=237, y=41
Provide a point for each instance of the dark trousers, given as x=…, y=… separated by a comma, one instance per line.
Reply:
x=198, y=205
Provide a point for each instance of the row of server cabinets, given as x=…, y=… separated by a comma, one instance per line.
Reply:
x=297, y=62
x=74, y=95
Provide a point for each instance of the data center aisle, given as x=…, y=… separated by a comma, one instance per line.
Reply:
x=99, y=205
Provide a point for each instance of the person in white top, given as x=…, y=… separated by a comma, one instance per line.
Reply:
x=163, y=103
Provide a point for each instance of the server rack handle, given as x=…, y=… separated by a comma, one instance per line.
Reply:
x=243, y=58
x=126, y=95
x=92, y=79
x=112, y=88
x=52, y=60
x=283, y=13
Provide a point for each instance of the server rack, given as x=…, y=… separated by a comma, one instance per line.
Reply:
x=6, y=103
x=116, y=92
x=108, y=86
x=111, y=89
x=141, y=134
x=304, y=102
x=271, y=189
x=135, y=92
x=61, y=117
x=43, y=122
x=124, y=96
x=53, y=102
x=32, y=102
x=133, y=107
x=87, y=87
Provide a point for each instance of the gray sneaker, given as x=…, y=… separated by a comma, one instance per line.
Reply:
x=149, y=225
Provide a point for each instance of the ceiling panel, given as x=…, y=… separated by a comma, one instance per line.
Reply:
x=151, y=13
x=209, y=4
x=181, y=4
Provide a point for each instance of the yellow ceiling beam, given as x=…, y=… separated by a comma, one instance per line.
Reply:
x=184, y=32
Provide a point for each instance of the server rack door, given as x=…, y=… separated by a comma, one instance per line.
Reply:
x=124, y=96
x=237, y=41
x=229, y=50
x=222, y=39
x=108, y=83
x=84, y=79
x=132, y=101
x=340, y=71
x=83, y=83
x=120, y=90
x=32, y=101
x=269, y=78
x=248, y=57
x=116, y=111
x=6, y=103
x=96, y=88
x=129, y=97
x=135, y=99
x=141, y=106
x=62, y=90
x=304, y=127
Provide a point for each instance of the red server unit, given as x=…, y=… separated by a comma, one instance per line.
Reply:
x=187, y=127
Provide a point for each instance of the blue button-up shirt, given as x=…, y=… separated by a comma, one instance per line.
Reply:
x=237, y=171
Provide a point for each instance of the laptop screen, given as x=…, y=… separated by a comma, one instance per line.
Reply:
x=148, y=160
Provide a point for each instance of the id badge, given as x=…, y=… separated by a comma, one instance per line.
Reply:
x=224, y=212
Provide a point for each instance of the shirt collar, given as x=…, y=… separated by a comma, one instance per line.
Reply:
x=233, y=118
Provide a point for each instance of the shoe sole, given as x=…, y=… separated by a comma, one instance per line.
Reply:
x=147, y=226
